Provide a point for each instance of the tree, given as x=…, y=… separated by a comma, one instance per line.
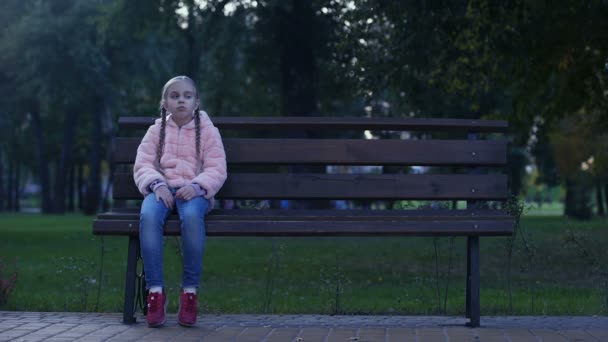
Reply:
x=53, y=61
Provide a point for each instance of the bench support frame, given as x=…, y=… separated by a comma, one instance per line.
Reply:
x=135, y=283
x=472, y=295
x=135, y=286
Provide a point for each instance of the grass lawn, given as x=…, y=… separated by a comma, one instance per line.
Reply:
x=58, y=261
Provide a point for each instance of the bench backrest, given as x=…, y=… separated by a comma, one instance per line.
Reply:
x=466, y=154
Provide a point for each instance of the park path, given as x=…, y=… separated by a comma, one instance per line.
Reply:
x=61, y=326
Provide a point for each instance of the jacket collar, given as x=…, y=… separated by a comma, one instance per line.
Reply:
x=190, y=125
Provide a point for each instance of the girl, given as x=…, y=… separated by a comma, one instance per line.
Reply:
x=180, y=164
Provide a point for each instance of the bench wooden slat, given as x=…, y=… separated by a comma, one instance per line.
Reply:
x=294, y=227
x=389, y=124
x=347, y=186
x=348, y=151
x=328, y=214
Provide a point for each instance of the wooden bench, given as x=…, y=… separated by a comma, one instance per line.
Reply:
x=466, y=156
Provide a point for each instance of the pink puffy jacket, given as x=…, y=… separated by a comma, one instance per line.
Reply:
x=178, y=161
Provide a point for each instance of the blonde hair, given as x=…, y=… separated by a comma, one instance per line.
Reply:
x=163, y=115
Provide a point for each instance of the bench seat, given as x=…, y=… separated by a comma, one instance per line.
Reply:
x=277, y=222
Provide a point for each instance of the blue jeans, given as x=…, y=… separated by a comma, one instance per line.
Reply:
x=152, y=219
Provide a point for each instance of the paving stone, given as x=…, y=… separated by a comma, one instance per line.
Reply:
x=197, y=332
x=70, y=335
x=546, y=335
x=96, y=335
x=401, y=334
x=95, y=339
x=601, y=335
x=461, y=334
x=34, y=326
x=342, y=334
x=367, y=334
x=577, y=335
x=464, y=338
x=32, y=337
x=491, y=335
x=23, y=331
x=312, y=334
x=253, y=334
x=224, y=334
x=521, y=335
x=431, y=334
x=282, y=334
x=9, y=335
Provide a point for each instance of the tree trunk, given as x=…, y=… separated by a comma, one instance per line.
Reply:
x=105, y=203
x=108, y=134
x=80, y=185
x=17, y=199
x=202, y=27
x=599, y=199
x=43, y=167
x=71, y=181
x=516, y=163
x=298, y=67
x=299, y=76
x=65, y=162
x=10, y=185
x=570, y=202
x=192, y=41
x=94, y=182
x=606, y=194
x=2, y=194
x=577, y=199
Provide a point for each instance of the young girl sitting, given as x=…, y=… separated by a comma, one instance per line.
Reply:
x=180, y=164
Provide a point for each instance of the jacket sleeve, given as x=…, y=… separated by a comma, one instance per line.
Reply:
x=214, y=163
x=144, y=170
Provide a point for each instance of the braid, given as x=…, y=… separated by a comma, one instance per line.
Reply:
x=161, y=140
x=197, y=124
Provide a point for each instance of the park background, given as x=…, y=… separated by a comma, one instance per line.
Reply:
x=69, y=69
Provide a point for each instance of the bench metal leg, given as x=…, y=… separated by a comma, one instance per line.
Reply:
x=467, y=299
x=473, y=304
x=129, y=304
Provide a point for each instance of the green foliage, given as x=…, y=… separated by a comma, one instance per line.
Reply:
x=8, y=280
x=51, y=53
x=531, y=62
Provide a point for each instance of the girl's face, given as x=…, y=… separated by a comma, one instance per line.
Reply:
x=181, y=100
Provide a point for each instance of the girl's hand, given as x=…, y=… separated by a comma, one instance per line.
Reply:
x=163, y=193
x=186, y=193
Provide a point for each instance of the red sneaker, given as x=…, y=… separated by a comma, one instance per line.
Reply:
x=157, y=309
x=188, y=303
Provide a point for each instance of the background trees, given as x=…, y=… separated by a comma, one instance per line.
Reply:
x=69, y=68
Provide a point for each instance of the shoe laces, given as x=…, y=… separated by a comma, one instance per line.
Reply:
x=153, y=301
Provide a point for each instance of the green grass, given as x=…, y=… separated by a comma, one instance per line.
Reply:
x=545, y=209
x=58, y=261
